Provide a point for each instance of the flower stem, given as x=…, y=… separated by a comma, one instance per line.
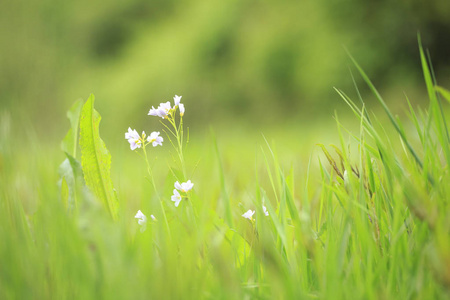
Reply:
x=179, y=136
x=150, y=173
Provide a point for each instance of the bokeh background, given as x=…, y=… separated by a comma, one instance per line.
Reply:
x=240, y=63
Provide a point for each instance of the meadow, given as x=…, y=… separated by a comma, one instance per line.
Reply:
x=362, y=214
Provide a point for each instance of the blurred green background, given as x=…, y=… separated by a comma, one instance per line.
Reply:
x=258, y=64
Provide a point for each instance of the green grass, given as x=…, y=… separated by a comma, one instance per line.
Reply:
x=366, y=219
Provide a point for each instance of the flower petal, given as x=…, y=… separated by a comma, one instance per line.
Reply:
x=178, y=186
x=177, y=100
x=248, y=214
x=139, y=215
x=153, y=111
x=181, y=106
x=265, y=211
x=133, y=144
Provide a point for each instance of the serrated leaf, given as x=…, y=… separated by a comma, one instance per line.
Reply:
x=69, y=143
x=96, y=159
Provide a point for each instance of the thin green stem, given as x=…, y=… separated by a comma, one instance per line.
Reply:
x=179, y=136
x=150, y=173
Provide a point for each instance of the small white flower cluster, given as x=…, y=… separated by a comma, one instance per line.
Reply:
x=184, y=187
x=249, y=213
x=164, y=109
x=137, y=141
x=142, y=220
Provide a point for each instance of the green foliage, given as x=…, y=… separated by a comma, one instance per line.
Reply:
x=225, y=197
x=70, y=170
x=371, y=222
x=71, y=182
x=96, y=159
x=70, y=142
x=445, y=93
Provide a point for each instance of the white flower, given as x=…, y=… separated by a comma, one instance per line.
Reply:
x=177, y=100
x=265, y=211
x=133, y=138
x=153, y=217
x=181, y=109
x=249, y=214
x=155, y=139
x=184, y=187
x=142, y=220
x=165, y=107
x=176, y=197
x=153, y=111
x=161, y=111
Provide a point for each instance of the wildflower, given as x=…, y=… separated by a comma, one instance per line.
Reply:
x=265, y=211
x=184, y=187
x=165, y=108
x=153, y=218
x=133, y=138
x=249, y=214
x=161, y=111
x=176, y=197
x=155, y=139
x=142, y=220
x=181, y=109
x=153, y=112
x=177, y=100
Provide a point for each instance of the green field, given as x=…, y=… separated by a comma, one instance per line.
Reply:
x=352, y=208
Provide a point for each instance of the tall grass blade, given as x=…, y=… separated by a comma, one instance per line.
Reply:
x=436, y=108
x=391, y=117
x=225, y=197
x=445, y=93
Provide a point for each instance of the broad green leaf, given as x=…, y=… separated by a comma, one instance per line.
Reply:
x=71, y=176
x=69, y=143
x=95, y=158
